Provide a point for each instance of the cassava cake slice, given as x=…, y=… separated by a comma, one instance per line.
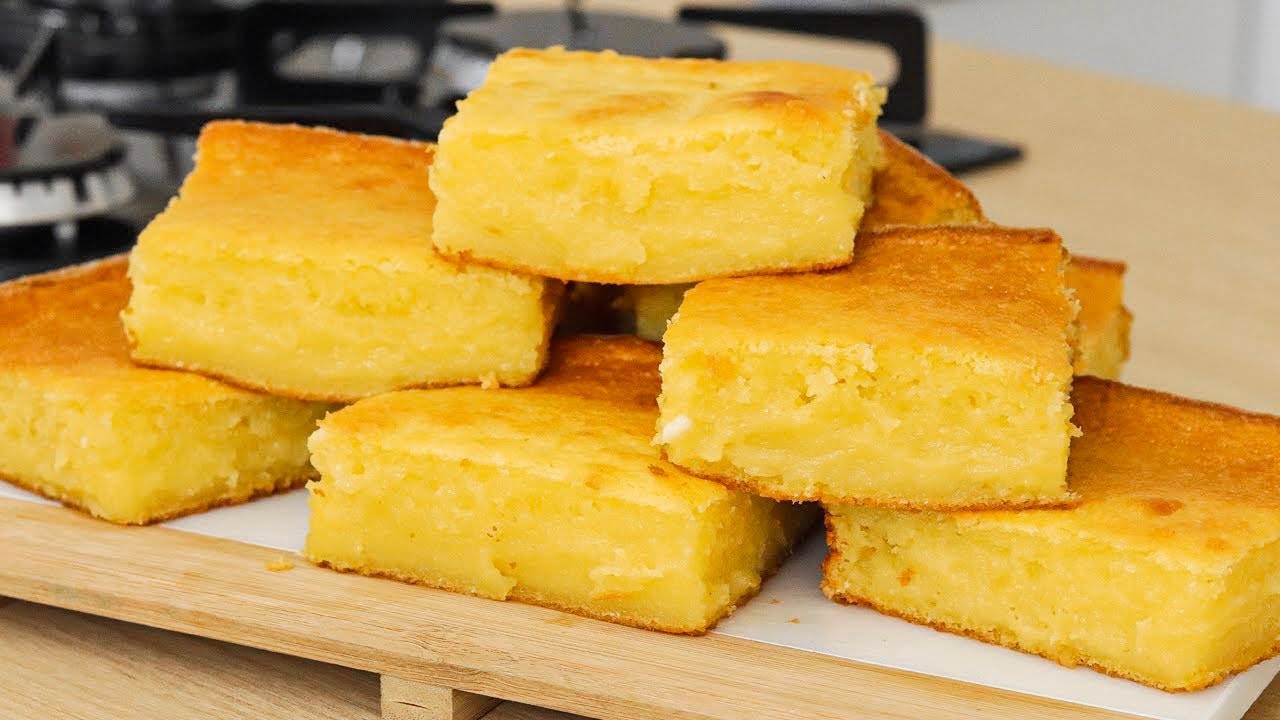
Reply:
x=82, y=424
x=598, y=167
x=550, y=494
x=299, y=261
x=1167, y=572
x=934, y=371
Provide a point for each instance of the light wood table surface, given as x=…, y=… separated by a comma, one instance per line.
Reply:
x=1181, y=188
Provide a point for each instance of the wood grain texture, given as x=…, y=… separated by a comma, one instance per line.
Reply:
x=411, y=700
x=221, y=589
x=518, y=711
x=59, y=664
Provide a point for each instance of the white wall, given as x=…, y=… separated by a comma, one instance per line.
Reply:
x=1264, y=72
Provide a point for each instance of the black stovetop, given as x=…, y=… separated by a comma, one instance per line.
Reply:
x=159, y=69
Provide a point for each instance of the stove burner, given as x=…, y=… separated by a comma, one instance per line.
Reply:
x=135, y=39
x=58, y=168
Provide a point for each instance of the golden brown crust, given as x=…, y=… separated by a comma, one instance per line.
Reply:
x=1112, y=387
x=633, y=93
x=750, y=486
x=991, y=290
x=1187, y=483
x=65, y=316
x=281, y=485
x=103, y=267
x=531, y=599
x=1103, y=265
x=69, y=320
x=960, y=234
x=572, y=275
x=913, y=190
x=236, y=137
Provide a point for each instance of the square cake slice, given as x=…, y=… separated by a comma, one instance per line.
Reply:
x=81, y=424
x=605, y=168
x=934, y=372
x=1102, y=346
x=1167, y=572
x=550, y=494
x=299, y=261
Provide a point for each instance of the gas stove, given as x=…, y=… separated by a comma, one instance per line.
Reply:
x=100, y=99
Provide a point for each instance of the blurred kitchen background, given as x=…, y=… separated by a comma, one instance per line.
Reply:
x=100, y=99
x=1227, y=49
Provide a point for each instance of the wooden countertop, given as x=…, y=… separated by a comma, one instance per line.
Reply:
x=1182, y=188
x=1179, y=187
x=63, y=665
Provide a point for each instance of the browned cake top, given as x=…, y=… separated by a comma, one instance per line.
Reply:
x=912, y=190
x=983, y=291
x=287, y=193
x=65, y=317
x=589, y=419
x=66, y=325
x=561, y=92
x=622, y=370
x=1166, y=475
x=1101, y=283
x=236, y=157
x=1149, y=444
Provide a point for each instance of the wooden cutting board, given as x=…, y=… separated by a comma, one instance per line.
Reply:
x=223, y=589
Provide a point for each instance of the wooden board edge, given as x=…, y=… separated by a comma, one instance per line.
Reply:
x=222, y=589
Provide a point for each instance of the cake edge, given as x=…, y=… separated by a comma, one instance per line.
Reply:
x=467, y=256
x=279, y=486
x=1069, y=500
x=535, y=600
x=552, y=303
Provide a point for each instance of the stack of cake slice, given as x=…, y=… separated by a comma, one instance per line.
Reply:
x=554, y=494
x=843, y=333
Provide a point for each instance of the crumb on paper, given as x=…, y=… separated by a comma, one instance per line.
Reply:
x=489, y=381
x=794, y=621
x=775, y=601
x=280, y=564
